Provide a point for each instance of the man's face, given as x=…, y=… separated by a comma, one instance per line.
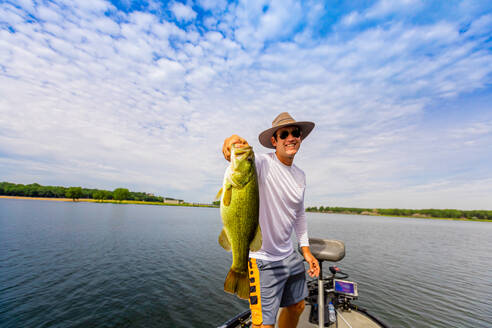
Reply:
x=289, y=146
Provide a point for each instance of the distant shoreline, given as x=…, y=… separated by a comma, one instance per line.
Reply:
x=424, y=213
x=41, y=198
x=110, y=201
x=90, y=200
x=403, y=216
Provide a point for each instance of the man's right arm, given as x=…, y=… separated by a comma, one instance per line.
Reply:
x=228, y=142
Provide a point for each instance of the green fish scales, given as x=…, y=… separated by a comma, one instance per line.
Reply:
x=239, y=208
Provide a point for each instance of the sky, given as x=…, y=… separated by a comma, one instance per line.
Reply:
x=141, y=95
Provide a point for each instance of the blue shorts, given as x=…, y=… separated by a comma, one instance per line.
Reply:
x=275, y=284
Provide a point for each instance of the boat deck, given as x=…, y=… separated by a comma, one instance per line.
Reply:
x=346, y=319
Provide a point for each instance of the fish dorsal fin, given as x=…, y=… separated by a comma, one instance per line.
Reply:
x=219, y=194
x=224, y=241
x=226, y=199
x=255, y=244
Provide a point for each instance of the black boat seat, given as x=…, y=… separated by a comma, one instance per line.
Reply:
x=326, y=249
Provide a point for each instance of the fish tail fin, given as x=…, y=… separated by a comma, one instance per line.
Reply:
x=242, y=289
x=237, y=283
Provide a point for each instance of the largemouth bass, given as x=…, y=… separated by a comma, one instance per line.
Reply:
x=239, y=208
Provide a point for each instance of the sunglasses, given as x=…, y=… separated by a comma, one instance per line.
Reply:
x=295, y=133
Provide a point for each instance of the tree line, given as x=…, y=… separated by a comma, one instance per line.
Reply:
x=434, y=213
x=37, y=190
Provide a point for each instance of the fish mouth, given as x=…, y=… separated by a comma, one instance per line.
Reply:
x=242, y=152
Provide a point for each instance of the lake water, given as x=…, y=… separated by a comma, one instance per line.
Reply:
x=104, y=265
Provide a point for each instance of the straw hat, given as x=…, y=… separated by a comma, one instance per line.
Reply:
x=283, y=120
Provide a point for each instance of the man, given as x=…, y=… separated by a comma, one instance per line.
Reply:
x=277, y=273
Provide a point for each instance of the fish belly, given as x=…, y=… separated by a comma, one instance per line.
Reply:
x=240, y=221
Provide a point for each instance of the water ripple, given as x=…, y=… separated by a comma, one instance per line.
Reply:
x=104, y=265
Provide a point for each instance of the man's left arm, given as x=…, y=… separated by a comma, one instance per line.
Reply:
x=300, y=227
x=311, y=260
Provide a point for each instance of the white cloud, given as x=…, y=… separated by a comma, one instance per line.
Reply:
x=386, y=7
x=214, y=5
x=481, y=26
x=182, y=12
x=49, y=14
x=381, y=9
x=11, y=15
x=351, y=19
x=27, y=5
x=88, y=6
x=260, y=21
x=142, y=103
x=214, y=36
x=106, y=25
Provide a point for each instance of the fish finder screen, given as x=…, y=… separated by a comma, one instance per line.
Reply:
x=345, y=287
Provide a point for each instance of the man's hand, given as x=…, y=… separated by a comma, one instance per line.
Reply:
x=232, y=140
x=312, y=261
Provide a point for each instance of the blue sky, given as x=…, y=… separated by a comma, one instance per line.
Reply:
x=141, y=95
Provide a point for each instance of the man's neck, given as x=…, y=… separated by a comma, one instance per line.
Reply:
x=285, y=160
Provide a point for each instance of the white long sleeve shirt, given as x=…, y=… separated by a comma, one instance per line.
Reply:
x=281, y=207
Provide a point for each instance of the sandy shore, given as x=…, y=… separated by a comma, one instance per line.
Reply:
x=47, y=198
x=90, y=200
